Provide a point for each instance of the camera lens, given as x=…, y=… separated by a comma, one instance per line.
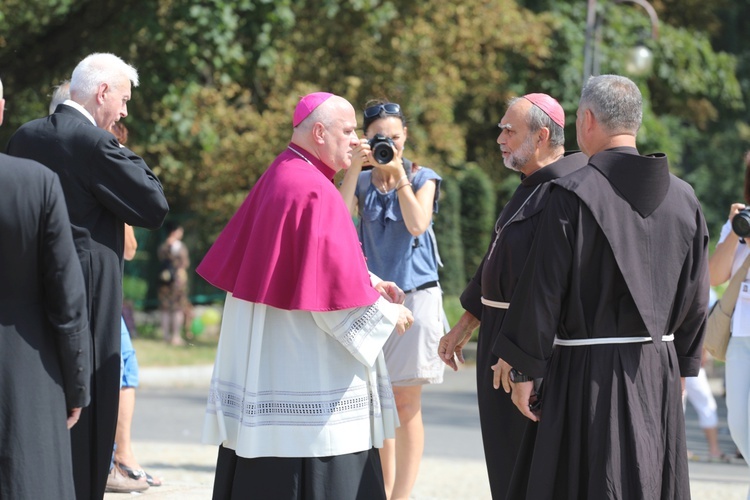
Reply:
x=741, y=223
x=382, y=148
x=382, y=152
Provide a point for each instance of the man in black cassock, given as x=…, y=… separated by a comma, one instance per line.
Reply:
x=617, y=282
x=532, y=142
x=45, y=363
x=105, y=186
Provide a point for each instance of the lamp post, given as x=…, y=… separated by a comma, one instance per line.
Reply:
x=640, y=56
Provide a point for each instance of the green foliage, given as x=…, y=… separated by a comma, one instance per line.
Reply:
x=453, y=309
x=477, y=216
x=134, y=289
x=448, y=234
x=219, y=80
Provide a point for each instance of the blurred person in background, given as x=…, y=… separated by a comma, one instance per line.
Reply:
x=174, y=261
x=731, y=251
x=395, y=202
x=698, y=392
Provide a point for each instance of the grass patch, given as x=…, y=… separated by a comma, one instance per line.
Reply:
x=152, y=352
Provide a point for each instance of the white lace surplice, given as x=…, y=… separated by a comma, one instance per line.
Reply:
x=300, y=383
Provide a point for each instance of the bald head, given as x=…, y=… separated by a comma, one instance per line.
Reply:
x=329, y=132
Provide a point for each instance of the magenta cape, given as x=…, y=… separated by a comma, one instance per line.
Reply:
x=292, y=244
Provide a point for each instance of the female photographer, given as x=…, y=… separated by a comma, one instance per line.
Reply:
x=395, y=201
x=729, y=255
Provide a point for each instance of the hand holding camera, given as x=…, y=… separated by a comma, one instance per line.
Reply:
x=361, y=156
x=740, y=216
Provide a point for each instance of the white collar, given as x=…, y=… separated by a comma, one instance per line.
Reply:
x=75, y=105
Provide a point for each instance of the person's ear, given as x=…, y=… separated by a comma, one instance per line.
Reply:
x=101, y=91
x=2, y=109
x=319, y=133
x=589, y=120
x=544, y=134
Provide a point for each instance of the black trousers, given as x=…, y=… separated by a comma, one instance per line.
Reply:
x=356, y=476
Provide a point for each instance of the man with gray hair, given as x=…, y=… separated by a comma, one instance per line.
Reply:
x=532, y=142
x=106, y=186
x=44, y=338
x=617, y=282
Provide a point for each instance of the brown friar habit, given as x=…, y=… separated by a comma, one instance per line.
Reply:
x=495, y=279
x=621, y=251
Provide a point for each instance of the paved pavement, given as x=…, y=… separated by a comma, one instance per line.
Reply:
x=169, y=413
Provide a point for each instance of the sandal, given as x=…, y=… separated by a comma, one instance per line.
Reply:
x=139, y=473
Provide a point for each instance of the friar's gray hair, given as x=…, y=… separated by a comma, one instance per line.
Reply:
x=615, y=102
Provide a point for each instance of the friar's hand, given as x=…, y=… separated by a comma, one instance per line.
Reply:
x=451, y=347
x=521, y=397
x=501, y=375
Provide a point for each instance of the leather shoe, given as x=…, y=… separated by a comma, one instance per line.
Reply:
x=118, y=482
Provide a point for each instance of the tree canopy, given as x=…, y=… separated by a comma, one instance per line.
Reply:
x=220, y=78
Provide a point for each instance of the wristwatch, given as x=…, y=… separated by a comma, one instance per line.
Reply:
x=516, y=376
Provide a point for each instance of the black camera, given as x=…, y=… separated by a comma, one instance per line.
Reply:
x=382, y=148
x=741, y=223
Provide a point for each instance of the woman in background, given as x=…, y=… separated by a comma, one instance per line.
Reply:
x=395, y=202
x=173, y=284
x=730, y=253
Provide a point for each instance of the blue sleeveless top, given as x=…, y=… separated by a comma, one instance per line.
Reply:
x=392, y=252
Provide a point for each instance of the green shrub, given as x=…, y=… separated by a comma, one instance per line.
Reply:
x=477, y=216
x=448, y=233
x=134, y=289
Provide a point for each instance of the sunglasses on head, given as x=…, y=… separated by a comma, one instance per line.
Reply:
x=389, y=108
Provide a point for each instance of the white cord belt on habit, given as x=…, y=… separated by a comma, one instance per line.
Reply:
x=495, y=304
x=610, y=340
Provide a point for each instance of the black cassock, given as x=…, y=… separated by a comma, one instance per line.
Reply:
x=105, y=185
x=621, y=251
x=495, y=279
x=45, y=363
